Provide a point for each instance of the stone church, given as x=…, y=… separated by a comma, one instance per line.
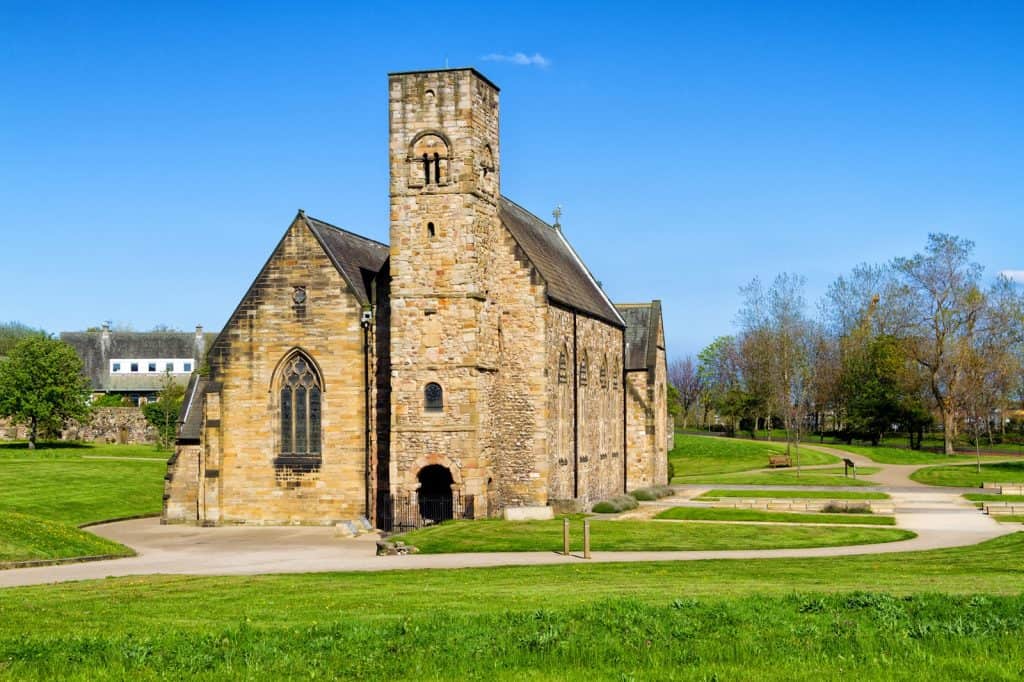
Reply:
x=475, y=360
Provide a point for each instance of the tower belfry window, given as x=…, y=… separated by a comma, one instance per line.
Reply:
x=432, y=151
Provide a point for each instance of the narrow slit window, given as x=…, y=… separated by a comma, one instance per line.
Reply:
x=426, y=169
x=430, y=230
x=437, y=168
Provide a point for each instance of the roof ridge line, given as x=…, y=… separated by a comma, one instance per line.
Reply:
x=342, y=229
x=590, y=275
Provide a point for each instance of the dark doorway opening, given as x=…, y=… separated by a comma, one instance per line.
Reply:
x=435, y=493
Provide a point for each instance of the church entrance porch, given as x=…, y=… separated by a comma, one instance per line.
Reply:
x=435, y=499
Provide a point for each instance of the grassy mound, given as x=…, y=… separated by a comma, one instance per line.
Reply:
x=709, y=514
x=796, y=494
x=543, y=536
x=967, y=476
x=24, y=538
x=697, y=456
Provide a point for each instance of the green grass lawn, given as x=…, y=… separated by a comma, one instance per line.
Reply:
x=857, y=617
x=884, y=455
x=710, y=514
x=542, y=536
x=58, y=449
x=985, y=497
x=1009, y=519
x=23, y=537
x=780, y=477
x=64, y=487
x=704, y=455
x=967, y=476
x=796, y=494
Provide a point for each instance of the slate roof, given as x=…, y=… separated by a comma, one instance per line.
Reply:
x=190, y=418
x=96, y=353
x=357, y=258
x=643, y=322
x=568, y=280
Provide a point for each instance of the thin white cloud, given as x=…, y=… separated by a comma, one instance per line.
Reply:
x=520, y=58
x=1015, y=275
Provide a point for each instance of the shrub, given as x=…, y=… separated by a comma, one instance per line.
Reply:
x=671, y=470
x=840, y=508
x=653, y=493
x=615, y=505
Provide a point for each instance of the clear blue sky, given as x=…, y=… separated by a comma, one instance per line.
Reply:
x=151, y=154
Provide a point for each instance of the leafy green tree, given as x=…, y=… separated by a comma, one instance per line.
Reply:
x=163, y=413
x=872, y=390
x=42, y=385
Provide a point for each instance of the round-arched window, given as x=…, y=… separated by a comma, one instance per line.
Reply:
x=433, y=397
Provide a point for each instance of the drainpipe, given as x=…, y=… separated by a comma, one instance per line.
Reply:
x=575, y=415
x=625, y=418
x=366, y=321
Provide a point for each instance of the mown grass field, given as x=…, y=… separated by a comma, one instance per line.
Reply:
x=967, y=476
x=889, y=455
x=808, y=477
x=59, y=488
x=29, y=536
x=711, y=514
x=986, y=497
x=541, y=536
x=800, y=494
x=699, y=456
x=858, y=617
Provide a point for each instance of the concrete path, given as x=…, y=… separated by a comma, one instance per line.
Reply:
x=939, y=516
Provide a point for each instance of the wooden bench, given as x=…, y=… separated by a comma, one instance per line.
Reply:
x=777, y=461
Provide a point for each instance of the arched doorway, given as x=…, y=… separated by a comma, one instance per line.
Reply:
x=435, y=493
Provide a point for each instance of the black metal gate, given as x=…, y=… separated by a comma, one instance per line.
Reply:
x=397, y=513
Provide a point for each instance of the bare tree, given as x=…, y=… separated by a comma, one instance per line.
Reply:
x=682, y=373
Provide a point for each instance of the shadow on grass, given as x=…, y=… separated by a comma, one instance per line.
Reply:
x=55, y=445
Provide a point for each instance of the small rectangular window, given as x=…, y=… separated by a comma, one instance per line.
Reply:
x=188, y=366
x=135, y=367
x=152, y=367
x=117, y=367
x=170, y=366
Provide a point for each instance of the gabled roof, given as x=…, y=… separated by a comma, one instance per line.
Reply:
x=96, y=349
x=643, y=323
x=357, y=258
x=568, y=280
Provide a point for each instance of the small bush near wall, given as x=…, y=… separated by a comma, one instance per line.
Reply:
x=616, y=504
x=653, y=493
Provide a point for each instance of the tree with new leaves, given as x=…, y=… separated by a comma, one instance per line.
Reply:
x=163, y=412
x=42, y=386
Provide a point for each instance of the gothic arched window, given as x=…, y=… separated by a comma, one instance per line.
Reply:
x=433, y=397
x=300, y=408
x=563, y=368
x=584, y=369
x=604, y=374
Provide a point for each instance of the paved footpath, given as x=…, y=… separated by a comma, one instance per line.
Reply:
x=939, y=516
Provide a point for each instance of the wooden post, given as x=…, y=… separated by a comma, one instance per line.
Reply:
x=565, y=536
x=586, y=538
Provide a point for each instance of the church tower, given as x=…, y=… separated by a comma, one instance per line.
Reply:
x=444, y=192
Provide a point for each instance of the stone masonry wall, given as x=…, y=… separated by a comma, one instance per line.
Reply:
x=241, y=439
x=443, y=320
x=106, y=425
x=598, y=404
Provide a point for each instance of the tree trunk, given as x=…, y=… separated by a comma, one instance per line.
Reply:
x=948, y=431
x=32, y=433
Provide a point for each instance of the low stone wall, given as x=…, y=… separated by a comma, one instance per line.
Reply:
x=106, y=425
x=1004, y=488
x=1004, y=509
x=801, y=505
